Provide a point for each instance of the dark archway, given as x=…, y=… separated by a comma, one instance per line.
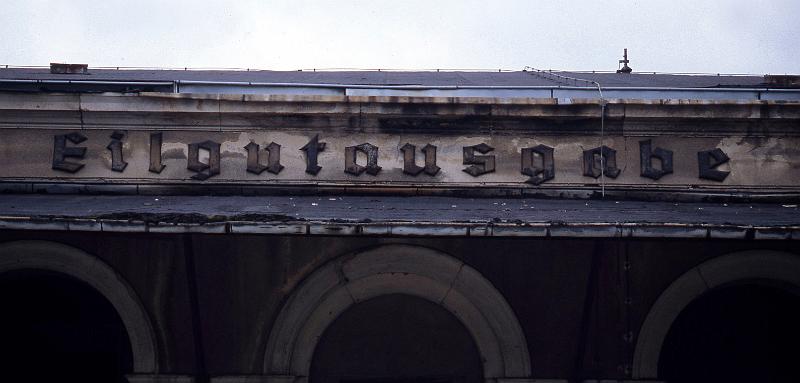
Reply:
x=738, y=333
x=396, y=339
x=396, y=269
x=57, y=328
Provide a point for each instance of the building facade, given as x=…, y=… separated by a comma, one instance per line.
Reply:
x=360, y=227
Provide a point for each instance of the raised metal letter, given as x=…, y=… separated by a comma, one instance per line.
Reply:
x=273, y=160
x=538, y=173
x=204, y=171
x=61, y=151
x=410, y=157
x=115, y=146
x=480, y=164
x=708, y=160
x=155, y=153
x=646, y=155
x=599, y=158
x=312, y=149
x=350, y=165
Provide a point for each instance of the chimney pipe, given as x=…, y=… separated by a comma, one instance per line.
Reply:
x=59, y=68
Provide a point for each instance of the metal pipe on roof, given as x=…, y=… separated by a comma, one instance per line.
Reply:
x=423, y=87
x=91, y=82
x=214, y=87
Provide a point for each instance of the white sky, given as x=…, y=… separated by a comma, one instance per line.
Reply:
x=733, y=36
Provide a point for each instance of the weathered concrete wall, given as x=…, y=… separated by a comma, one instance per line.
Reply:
x=754, y=162
x=760, y=138
x=580, y=302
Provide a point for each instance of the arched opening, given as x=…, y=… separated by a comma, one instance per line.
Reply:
x=414, y=271
x=91, y=272
x=725, y=293
x=738, y=333
x=57, y=328
x=396, y=338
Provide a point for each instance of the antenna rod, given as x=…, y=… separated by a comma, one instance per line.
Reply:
x=625, y=68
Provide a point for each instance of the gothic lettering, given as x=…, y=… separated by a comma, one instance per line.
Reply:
x=273, y=160
x=61, y=151
x=312, y=149
x=536, y=162
x=708, y=160
x=115, y=146
x=410, y=157
x=155, y=153
x=480, y=164
x=599, y=158
x=539, y=171
x=204, y=171
x=352, y=167
x=646, y=155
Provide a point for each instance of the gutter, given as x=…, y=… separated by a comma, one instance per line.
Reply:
x=412, y=229
x=446, y=87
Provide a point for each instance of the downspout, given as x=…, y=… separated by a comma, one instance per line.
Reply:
x=544, y=74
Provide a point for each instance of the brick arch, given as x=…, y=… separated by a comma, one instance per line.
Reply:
x=396, y=269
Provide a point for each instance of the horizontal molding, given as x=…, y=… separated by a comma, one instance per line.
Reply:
x=293, y=379
x=670, y=193
x=431, y=115
x=410, y=229
x=159, y=378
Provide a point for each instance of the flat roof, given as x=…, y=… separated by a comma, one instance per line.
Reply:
x=399, y=216
x=484, y=84
x=399, y=78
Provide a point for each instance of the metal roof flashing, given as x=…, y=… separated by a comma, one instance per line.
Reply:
x=495, y=84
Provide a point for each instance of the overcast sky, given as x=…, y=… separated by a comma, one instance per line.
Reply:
x=733, y=36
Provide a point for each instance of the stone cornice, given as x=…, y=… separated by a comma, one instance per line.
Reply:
x=433, y=115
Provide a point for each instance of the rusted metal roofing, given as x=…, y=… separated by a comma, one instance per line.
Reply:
x=416, y=216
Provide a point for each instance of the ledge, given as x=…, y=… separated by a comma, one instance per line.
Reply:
x=399, y=216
